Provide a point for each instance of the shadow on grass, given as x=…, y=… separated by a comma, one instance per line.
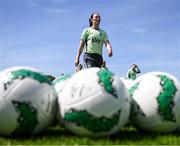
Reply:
x=125, y=134
x=55, y=131
x=134, y=135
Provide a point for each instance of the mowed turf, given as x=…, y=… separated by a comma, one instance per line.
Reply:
x=60, y=136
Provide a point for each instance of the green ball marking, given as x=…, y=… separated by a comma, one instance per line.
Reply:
x=94, y=124
x=61, y=78
x=106, y=79
x=133, y=89
x=27, y=119
x=23, y=73
x=166, y=98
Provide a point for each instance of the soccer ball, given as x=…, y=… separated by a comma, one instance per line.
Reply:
x=94, y=102
x=58, y=84
x=27, y=101
x=127, y=82
x=156, y=101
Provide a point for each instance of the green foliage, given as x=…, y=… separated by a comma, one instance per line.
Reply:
x=127, y=136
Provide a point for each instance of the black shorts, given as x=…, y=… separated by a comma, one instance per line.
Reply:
x=92, y=60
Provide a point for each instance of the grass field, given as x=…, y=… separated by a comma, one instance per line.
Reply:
x=127, y=136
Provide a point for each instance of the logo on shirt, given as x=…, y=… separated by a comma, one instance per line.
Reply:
x=95, y=40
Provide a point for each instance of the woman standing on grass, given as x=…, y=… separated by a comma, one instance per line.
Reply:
x=93, y=38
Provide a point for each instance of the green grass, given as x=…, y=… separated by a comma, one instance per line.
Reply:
x=127, y=136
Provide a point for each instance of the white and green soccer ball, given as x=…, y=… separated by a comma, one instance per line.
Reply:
x=127, y=82
x=156, y=102
x=94, y=102
x=59, y=84
x=60, y=81
x=27, y=101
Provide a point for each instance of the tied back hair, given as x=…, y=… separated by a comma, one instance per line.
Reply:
x=90, y=22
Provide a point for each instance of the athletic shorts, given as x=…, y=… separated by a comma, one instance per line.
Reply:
x=92, y=60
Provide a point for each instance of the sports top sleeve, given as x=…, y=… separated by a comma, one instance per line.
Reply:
x=105, y=37
x=84, y=35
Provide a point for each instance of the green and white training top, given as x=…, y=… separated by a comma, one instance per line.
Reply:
x=94, y=40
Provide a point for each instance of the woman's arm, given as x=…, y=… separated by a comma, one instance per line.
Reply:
x=80, y=49
x=109, y=48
